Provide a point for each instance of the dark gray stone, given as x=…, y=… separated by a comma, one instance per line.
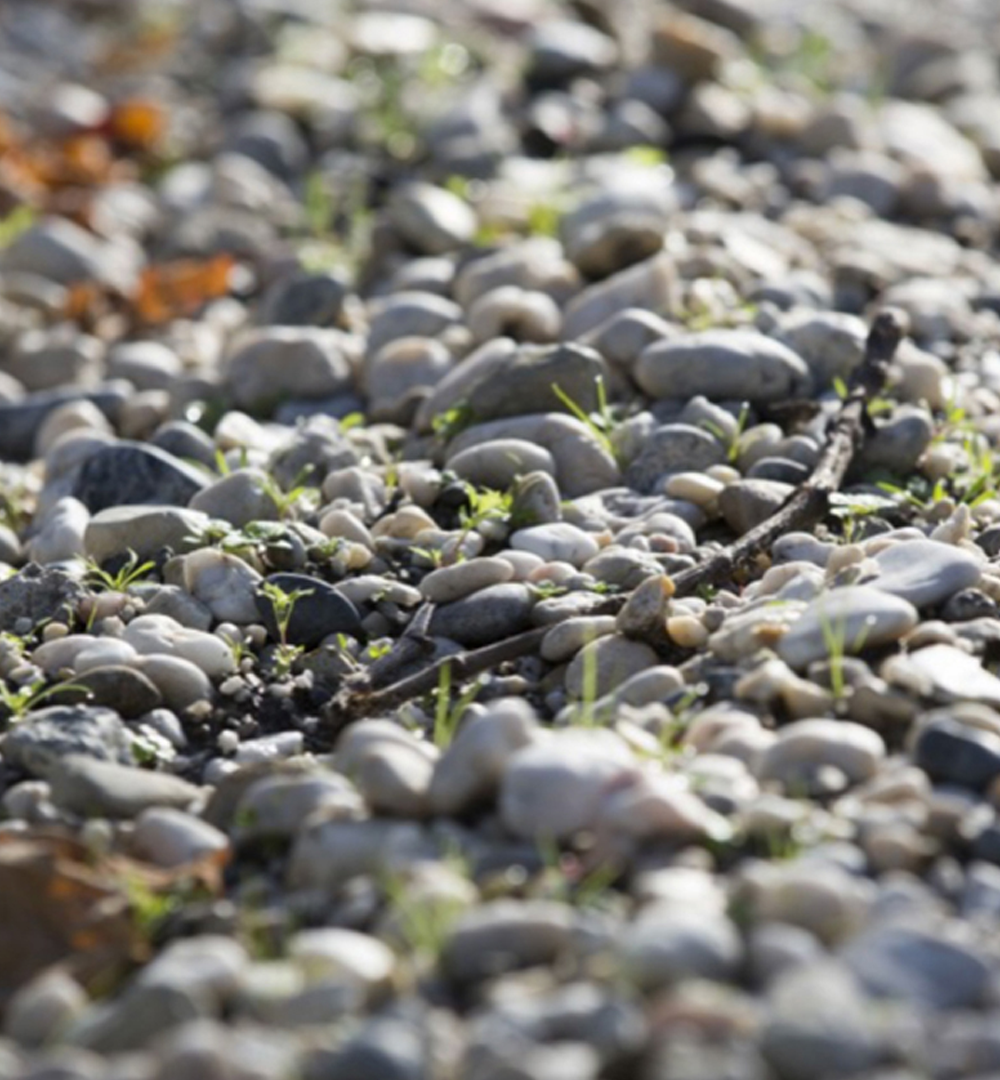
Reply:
x=525, y=382
x=324, y=611
x=898, y=444
x=91, y=788
x=673, y=448
x=918, y=966
x=384, y=1049
x=488, y=615
x=778, y=468
x=185, y=442
x=118, y=687
x=128, y=473
x=953, y=753
x=20, y=421
x=747, y=503
x=35, y=594
x=304, y=299
x=44, y=737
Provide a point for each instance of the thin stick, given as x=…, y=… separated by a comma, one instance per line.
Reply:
x=804, y=508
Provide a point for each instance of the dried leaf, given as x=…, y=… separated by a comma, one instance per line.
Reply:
x=138, y=124
x=178, y=289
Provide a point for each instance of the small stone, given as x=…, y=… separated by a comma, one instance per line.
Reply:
x=506, y=935
x=146, y=530
x=949, y=674
x=168, y=836
x=650, y=284
x=817, y=1013
x=536, y=500
x=432, y=220
x=92, y=788
x=278, y=363
x=132, y=473
x=853, y=618
x=569, y=636
x=345, y=956
x=897, y=444
x=450, y=583
x=666, y=945
x=241, y=497
x=304, y=299
x=739, y=365
x=323, y=611
x=556, y=542
x=488, y=615
x=605, y=664
x=61, y=535
x=34, y=595
x=925, y=572
x=499, y=463
x=469, y=772
x=152, y=635
x=673, y=448
x=804, y=748
x=180, y=682
x=115, y=686
x=554, y=788
x=954, y=753
x=224, y=583
x=927, y=968
x=148, y=365
x=44, y=737
x=43, y=1007
x=746, y=503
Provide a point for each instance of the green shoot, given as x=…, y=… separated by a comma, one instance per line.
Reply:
x=601, y=423
x=447, y=715
x=452, y=421
x=283, y=604
x=19, y=220
x=127, y=575
x=17, y=703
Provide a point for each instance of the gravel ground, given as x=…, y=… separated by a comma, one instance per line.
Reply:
x=338, y=340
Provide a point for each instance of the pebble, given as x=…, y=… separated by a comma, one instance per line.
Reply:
x=91, y=787
x=315, y=616
x=506, y=935
x=450, y=583
x=146, y=530
x=153, y=635
x=666, y=945
x=817, y=1012
x=553, y=789
x=949, y=674
x=44, y=737
x=673, y=448
x=556, y=542
x=282, y=362
x=240, y=497
x=224, y=583
x=431, y=219
x=925, y=572
x=497, y=464
x=956, y=753
x=168, y=836
x=926, y=966
x=723, y=365
x=492, y=613
x=853, y=618
x=345, y=957
x=128, y=473
x=807, y=747
x=746, y=503
x=61, y=535
x=605, y=663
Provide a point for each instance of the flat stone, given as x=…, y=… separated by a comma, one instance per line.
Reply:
x=746, y=503
x=240, y=497
x=925, y=572
x=115, y=686
x=431, y=219
x=44, y=737
x=604, y=664
x=495, y=612
x=556, y=542
x=954, y=753
x=673, y=448
x=128, y=472
x=499, y=463
x=554, y=789
x=92, y=788
x=450, y=583
x=926, y=968
x=146, y=530
x=855, y=617
x=322, y=612
x=740, y=365
x=153, y=635
x=953, y=674
x=527, y=382
x=803, y=748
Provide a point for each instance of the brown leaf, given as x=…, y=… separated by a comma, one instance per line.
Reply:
x=177, y=289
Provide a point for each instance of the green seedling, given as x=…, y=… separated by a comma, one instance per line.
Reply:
x=128, y=574
x=600, y=423
x=835, y=641
x=16, y=703
x=447, y=714
x=283, y=605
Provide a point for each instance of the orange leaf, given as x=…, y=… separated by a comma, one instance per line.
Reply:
x=137, y=123
x=177, y=289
